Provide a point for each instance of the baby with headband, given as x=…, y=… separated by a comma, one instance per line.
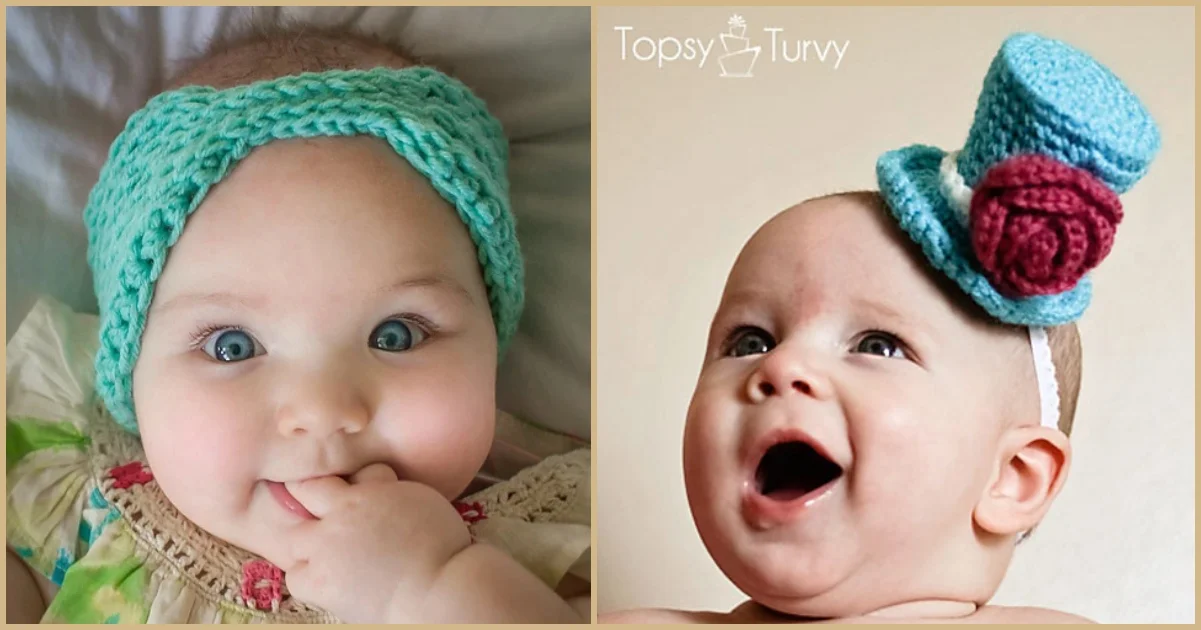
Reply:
x=307, y=271
x=890, y=379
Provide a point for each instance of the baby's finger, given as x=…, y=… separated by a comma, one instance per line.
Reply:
x=318, y=495
x=376, y=472
x=297, y=544
x=297, y=580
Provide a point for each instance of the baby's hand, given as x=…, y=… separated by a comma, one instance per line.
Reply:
x=376, y=547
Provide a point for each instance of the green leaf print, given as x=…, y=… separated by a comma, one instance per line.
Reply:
x=24, y=435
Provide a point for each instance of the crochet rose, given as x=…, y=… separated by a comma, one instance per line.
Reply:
x=1038, y=225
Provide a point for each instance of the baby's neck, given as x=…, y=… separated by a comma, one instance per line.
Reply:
x=927, y=609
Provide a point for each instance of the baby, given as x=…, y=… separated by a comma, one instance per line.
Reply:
x=890, y=379
x=307, y=271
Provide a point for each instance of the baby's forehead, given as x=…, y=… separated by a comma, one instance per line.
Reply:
x=846, y=251
x=842, y=241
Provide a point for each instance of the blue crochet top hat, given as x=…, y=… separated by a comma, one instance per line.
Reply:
x=1029, y=205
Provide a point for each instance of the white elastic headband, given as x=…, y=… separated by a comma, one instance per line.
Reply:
x=1044, y=371
x=1048, y=387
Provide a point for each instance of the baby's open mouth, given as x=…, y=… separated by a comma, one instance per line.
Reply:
x=791, y=470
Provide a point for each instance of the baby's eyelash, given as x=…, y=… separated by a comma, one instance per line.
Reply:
x=730, y=333
x=899, y=340
x=425, y=323
x=201, y=334
x=881, y=331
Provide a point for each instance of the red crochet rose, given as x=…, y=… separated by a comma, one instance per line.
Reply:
x=1038, y=225
x=133, y=473
x=471, y=513
x=262, y=585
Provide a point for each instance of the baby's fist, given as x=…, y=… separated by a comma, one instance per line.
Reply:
x=376, y=546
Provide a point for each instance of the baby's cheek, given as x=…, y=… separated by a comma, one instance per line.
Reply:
x=439, y=427
x=711, y=455
x=712, y=430
x=913, y=448
x=201, y=445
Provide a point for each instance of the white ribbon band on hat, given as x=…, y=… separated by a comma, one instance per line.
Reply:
x=956, y=191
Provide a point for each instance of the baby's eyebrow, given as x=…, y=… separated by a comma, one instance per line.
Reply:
x=738, y=303
x=256, y=303
x=881, y=309
x=221, y=297
x=436, y=281
x=917, y=330
x=744, y=296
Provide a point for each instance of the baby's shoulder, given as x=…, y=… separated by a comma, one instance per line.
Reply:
x=661, y=616
x=750, y=613
x=1026, y=614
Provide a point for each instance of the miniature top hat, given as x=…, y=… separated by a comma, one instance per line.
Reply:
x=1029, y=206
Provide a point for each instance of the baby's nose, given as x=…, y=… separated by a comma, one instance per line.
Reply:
x=766, y=388
x=324, y=407
x=781, y=373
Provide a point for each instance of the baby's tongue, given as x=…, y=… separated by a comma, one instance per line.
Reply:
x=786, y=494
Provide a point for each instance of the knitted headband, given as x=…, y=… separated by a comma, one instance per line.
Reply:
x=183, y=142
x=1020, y=215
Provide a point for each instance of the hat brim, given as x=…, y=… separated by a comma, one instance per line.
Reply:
x=909, y=183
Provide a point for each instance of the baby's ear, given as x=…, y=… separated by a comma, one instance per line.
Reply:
x=1032, y=464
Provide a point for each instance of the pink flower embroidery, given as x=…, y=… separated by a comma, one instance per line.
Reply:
x=133, y=473
x=1038, y=225
x=471, y=513
x=262, y=585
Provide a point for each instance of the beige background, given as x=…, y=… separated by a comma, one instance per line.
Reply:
x=689, y=164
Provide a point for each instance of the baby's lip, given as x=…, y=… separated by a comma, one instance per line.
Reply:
x=763, y=513
x=780, y=436
x=280, y=493
x=343, y=473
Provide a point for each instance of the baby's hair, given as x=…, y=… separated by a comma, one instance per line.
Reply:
x=283, y=47
x=1066, y=354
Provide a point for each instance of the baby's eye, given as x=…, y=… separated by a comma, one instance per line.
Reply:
x=231, y=346
x=748, y=341
x=881, y=344
x=396, y=335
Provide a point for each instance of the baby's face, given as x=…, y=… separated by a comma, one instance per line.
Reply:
x=323, y=311
x=846, y=417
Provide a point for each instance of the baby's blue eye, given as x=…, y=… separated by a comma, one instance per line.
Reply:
x=881, y=344
x=748, y=341
x=395, y=335
x=230, y=346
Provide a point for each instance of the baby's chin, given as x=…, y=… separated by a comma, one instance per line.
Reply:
x=803, y=581
x=808, y=608
x=807, y=597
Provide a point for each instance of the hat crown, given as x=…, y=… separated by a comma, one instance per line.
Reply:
x=1043, y=96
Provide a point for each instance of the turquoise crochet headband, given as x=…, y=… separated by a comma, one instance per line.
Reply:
x=1029, y=206
x=183, y=142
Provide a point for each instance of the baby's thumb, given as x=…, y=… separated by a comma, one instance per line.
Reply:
x=318, y=495
x=373, y=473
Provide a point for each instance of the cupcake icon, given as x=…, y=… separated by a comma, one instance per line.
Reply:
x=740, y=56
